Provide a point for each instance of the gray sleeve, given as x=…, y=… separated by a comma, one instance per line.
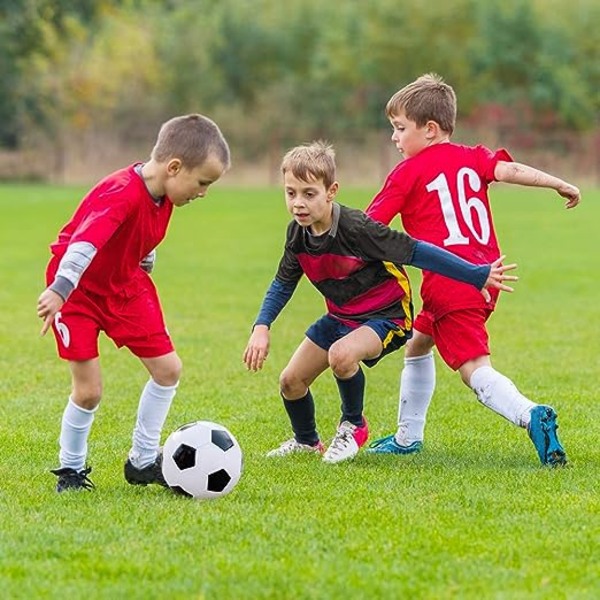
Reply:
x=76, y=260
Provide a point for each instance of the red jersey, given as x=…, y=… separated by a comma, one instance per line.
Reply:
x=124, y=223
x=441, y=195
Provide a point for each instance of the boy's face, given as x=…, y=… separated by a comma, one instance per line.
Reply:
x=408, y=137
x=183, y=185
x=309, y=202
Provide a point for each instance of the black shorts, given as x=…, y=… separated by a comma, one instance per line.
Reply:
x=328, y=330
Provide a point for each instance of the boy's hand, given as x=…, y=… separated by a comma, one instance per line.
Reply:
x=497, y=276
x=257, y=349
x=571, y=193
x=49, y=303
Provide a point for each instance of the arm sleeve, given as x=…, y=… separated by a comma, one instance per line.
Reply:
x=431, y=258
x=275, y=299
x=488, y=159
x=73, y=264
x=388, y=202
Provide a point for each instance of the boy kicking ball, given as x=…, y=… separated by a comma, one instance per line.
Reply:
x=97, y=281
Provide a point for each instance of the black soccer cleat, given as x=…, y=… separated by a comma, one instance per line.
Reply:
x=71, y=479
x=151, y=473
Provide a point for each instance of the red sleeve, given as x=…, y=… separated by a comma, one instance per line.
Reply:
x=388, y=202
x=105, y=214
x=488, y=160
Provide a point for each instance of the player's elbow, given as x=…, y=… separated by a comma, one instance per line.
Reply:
x=503, y=171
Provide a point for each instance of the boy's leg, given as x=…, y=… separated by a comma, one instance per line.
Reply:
x=362, y=343
x=144, y=463
x=307, y=363
x=76, y=424
x=499, y=393
x=462, y=341
x=417, y=384
x=344, y=358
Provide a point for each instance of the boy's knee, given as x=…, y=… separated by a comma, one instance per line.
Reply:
x=290, y=385
x=341, y=361
x=169, y=371
x=87, y=396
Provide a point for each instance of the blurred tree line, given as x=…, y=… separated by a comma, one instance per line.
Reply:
x=266, y=69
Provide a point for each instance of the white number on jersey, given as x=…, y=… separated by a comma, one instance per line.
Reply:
x=468, y=206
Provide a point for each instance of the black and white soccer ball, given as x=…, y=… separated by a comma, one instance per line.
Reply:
x=202, y=460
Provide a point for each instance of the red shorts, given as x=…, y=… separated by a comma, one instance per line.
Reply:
x=133, y=319
x=459, y=335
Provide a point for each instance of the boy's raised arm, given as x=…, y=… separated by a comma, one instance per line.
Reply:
x=513, y=172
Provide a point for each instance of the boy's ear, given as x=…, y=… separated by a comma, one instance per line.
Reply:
x=432, y=129
x=174, y=166
x=333, y=190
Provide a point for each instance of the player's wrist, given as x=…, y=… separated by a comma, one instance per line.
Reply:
x=62, y=286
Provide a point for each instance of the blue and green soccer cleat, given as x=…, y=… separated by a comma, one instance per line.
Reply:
x=389, y=445
x=542, y=431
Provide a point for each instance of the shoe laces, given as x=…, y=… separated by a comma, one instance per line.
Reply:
x=342, y=438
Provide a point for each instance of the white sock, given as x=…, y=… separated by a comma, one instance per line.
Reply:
x=74, y=432
x=153, y=408
x=417, y=383
x=499, y=393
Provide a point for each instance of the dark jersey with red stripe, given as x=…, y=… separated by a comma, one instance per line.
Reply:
x=356, y=265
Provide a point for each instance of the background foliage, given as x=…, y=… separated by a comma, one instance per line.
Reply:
x=289, y=69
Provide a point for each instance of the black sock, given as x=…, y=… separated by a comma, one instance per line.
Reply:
x=352, y=392
x=302, y=417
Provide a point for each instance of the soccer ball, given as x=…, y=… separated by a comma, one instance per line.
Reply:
x=202, y=460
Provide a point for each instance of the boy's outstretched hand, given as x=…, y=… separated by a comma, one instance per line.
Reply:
x=49, y=303
x=571, y=193
x=497, y=276
x=257, y=349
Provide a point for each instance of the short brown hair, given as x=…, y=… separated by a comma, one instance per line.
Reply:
x=310, y=162
x=191, y=139
x=428, y=98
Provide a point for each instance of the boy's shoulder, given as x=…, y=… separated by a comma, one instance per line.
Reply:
x=350, y=217
x=119, y=180
x=447, y=154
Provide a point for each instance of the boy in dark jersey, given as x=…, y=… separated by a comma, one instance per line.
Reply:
x=440, y=193
x=97, y=281
x=356, y=264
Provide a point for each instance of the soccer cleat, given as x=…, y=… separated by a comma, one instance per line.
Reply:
x=292, y=447
x=389, y=445
x=71, y=479
x=347, y=441
x=151, y=473
x=542, y=431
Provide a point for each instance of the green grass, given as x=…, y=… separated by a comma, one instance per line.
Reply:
x=472, y=516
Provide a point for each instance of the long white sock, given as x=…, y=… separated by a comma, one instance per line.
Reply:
x=499, y=393
x=153, y=408
x=417, y=383
x=74, y=432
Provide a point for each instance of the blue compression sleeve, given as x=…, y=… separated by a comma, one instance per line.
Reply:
x=431, y=258
x=275, y=299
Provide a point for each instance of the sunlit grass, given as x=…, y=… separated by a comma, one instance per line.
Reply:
x=472, y=516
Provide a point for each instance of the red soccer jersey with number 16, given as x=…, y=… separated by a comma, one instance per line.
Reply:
x=441, y=195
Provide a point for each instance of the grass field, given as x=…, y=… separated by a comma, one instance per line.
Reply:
x=473, y=516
